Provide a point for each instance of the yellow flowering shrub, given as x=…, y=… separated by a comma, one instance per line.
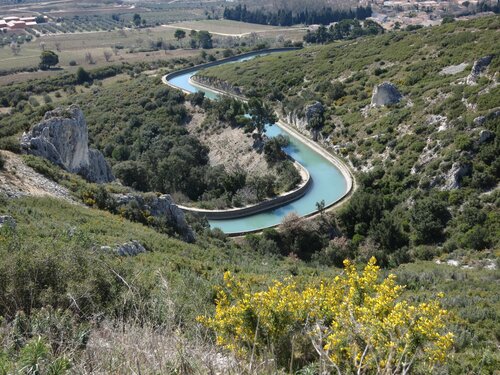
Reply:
x=352, y=324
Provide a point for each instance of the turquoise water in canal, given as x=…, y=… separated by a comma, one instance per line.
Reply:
x=328, y=183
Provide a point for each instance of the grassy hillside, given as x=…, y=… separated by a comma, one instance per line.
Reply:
x=53, y=259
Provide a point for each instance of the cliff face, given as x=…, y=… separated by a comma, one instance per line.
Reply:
x=62, y=138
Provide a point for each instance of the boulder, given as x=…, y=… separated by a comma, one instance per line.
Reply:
x=453, y=69
x=455, y=175
x=478, y=67
x=479, y=120
x=161, y=207
x=385, y=94
x=62, y=138
x=131, y=248
x=486, y=136
x=7, y=221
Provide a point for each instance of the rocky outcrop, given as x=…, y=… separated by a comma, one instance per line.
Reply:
x=162, y=207
x=314, y=117
x=486, y=136
x=385, y=94
x=7, y=221
x=131, y=248
x=301, y=120
x=453, y=69
x=442, y=121
x=62, y=138
x=18, y=180
x=217, y=84
x=478, y=67
x=480, y=120
x=455, y=175
x=298, y=120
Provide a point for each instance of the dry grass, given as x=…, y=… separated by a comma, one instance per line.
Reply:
x=99, y=62
x=224, y=27
x=119, y=348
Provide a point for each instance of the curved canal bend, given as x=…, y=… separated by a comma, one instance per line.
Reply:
x=331, y=180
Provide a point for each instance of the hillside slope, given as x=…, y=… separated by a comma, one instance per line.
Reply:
x=439, y=142
x=343, y=75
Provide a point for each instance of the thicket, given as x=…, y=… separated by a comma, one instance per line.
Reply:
x=353, y=324
x=345, y=29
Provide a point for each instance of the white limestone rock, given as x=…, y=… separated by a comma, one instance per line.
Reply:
x=455, y=175
x=486, y=136
x=62, y=138
x=385, y=94
x=478, y=67
x=131, y=248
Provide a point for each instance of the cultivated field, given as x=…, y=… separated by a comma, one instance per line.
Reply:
x=132, y=45
x=224, y=27
x=75, y=46
x=100, y=61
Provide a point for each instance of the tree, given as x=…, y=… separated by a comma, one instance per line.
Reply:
x=261, y=115
x=40, y=19
x=179, y=34
x=82, y=76
x=315, y=118
x=48, y=59
x=351, y=324
x=133, y=174
x=136, y=19
x=89, y=59
x=428, y=219
x=15, y=48
x=205, y=39
x=273, y=149
x=336, y=90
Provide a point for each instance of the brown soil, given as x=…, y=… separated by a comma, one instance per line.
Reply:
x=228, y=146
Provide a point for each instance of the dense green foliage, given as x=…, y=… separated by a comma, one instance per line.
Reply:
x=345, y=29
x=286, y=17
x=48, y=59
